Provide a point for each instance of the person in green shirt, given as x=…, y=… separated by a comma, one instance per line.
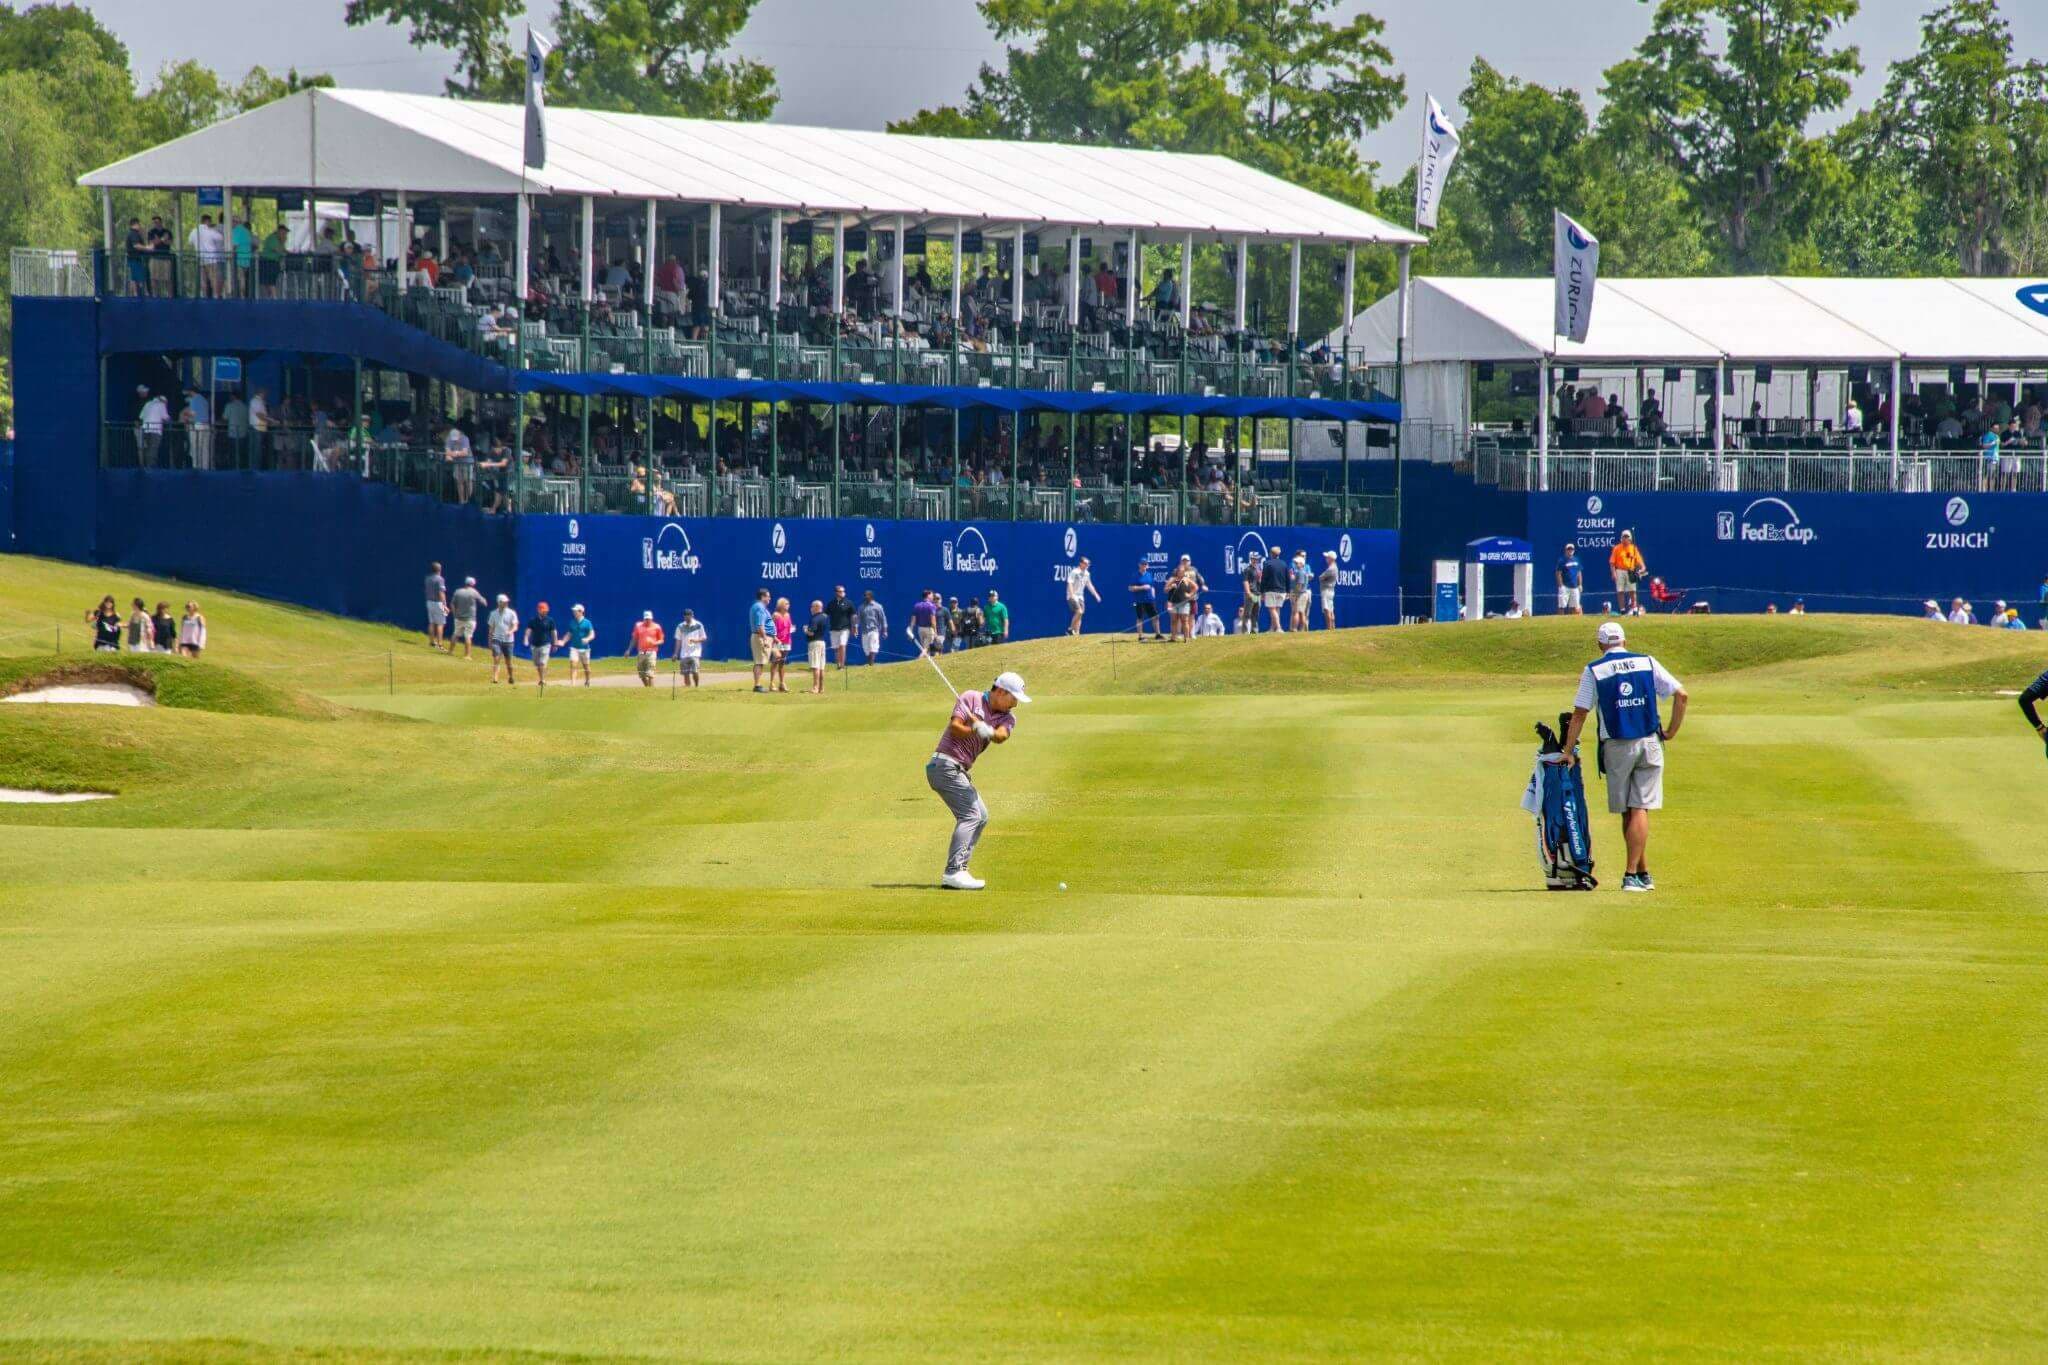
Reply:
x=271, y=270
x=360, y=444
x=996, y=617
x=243, y=242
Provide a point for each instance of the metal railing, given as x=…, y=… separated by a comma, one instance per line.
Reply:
x=1792, y=471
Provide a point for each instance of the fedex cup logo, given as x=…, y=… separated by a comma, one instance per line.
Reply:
x=1073, y=542
x=1250, y=545
x=958, y=556
x=1344, y=548
x=777, y=540
x=1958, y=511
x=668, y=550
x=2033, y=296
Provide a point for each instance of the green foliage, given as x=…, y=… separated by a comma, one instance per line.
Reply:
x=661, y=57
x=1969, y=125
x=30, y=38
x=473, y=29
x=1723, y=91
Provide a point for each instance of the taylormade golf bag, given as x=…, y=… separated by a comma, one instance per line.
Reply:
x=1556, y=796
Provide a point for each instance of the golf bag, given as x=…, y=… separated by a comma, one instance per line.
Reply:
x=1556, y=796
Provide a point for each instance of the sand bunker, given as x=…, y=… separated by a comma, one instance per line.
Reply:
x=86, y=694
x=18, y=796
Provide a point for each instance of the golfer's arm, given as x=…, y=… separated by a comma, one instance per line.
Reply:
x=1001, y=736
x=959, y=728
x=1679, y=699
x=2036, y=691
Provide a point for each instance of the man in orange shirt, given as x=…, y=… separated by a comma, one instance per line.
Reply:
x=1627, y=562
x=647, y=639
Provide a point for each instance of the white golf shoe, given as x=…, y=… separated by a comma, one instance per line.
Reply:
x=962, y=881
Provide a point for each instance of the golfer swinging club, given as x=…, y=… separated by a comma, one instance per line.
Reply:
x=1624, y=688
x=979, y=720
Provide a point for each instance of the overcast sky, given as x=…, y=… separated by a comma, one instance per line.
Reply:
x=860, y=63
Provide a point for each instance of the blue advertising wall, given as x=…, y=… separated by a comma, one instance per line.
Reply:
x=619, y=566
x=57, y=426
x=325, y=541
x=1838, y=551
x=6, y=495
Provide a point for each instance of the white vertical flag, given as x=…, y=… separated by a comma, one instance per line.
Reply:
x=1440, y=145
x=537, y=49
x=1575, y=265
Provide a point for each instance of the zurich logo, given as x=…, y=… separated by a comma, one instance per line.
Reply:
x=871, y=533
x=1578, y=239
x=1344, y=548
x=777, y=539
x=1593, y=505
x=1438, y=126
x=572, y=528
x=1073, y=542
x=2035, y=297
x=1957, y=512
x=1628, y=689
x=1155, y=540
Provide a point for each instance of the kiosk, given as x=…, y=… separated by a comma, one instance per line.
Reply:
x=1499, y=550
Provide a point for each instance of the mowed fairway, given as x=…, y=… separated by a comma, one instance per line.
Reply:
x=383, y=1018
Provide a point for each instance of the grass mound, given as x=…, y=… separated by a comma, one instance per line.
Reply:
x=184, y=684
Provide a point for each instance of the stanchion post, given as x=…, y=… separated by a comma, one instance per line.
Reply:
x=390, y=673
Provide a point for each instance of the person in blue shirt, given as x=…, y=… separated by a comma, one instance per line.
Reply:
x=577, y=635
x=759, y=639
x=1623, y=689
x=1145, y=601
x=1571, y=582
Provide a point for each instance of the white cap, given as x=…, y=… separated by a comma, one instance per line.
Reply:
x=469, y=582
x=1329, y=554
x=647, y=616
x=1012, y=684
x=1610, y=634
x=503, y=598
x=577, y=607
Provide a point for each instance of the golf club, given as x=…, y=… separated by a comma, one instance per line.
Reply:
x=910, y=632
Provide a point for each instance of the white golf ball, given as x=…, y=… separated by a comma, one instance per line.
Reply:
x=1063, y=886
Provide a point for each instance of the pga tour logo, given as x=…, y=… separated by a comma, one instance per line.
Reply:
x=959, y=556
x=1957, y=514
x=1767, y=521
x=667, y=550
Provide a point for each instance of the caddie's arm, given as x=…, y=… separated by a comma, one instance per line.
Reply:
x=1678, y=701
x=1571, y=732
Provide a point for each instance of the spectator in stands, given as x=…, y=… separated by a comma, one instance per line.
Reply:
x=210, y=247
x=149, y=427
x=874, y=626
x=1080, y=587
x=1949, y=430
x=1166, y=295
x=1571, y=582
x=192, y=631
x=1650, y=416
x=242, y=243
x=163, y=262
x=136, y=248
x=1625, y=560
x=234, y=416
x=760, y=634
x=197, y=419
x=463, y=605
x=1988, y=458
x=270, y=262
x=460, y=458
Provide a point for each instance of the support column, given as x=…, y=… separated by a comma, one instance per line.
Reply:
x=650, y=258
x=404, y=234
x=1243, y=269
x=1073, y=284
x=1720, y=417
x=716, y=275
x=521, y=255
x=1293, y=292
x=959, y=268
x=1401, y=354
x=1187, y=280
x=1893, y=403
x=107, y=282
x=1016, y=287
x=1543, y=423
x=585, y=284
x=838, y=278
x=1132, y=282
x=775, y=274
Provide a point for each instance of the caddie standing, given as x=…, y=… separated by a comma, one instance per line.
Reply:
x=1625, y=688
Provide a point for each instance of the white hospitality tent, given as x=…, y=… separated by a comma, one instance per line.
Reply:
x=341, y=142
x=1826, y=328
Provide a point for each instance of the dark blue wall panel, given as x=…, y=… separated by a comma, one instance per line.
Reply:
x=56, y=422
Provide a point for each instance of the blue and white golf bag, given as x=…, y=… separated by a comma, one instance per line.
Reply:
x=1556, y=796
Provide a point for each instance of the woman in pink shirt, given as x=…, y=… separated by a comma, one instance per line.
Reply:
x=785, y=632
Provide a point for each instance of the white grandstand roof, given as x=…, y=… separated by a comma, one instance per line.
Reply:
x=362, y=140
x=1757, y=318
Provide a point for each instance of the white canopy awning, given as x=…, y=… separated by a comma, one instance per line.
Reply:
x=361, y=140
x=1751, y=319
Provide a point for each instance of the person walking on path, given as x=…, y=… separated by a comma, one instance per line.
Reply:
x=979, y=719
x=1273, y=584
x=1623, y=689
x=463, y=606
x=1080, y=587
x=646, y=646
x=540, y=639
x=1145, y=601
x=504, y=635
x=690, y=638
x=874, y=626
x=579, y=635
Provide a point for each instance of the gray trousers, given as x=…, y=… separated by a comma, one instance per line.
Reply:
x=970, y=816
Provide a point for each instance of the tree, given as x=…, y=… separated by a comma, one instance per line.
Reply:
x=259, y=87
x=485, y=65
x=1310, y=89
x=1722, y=92
x=1523, y=157
x=1969, y=126
x=661, y=57
x=30, y=38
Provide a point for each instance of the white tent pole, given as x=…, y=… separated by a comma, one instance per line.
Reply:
x=959, y=268
x=1542, y=422
x=227, y=232
x=1074, y=278
x=648, y=258
x=589, y=248
x=521, y=253
x=774, y=270
x=107, y=219
x=717, y=261
x=1243, y=268
x=1131, y=283
x=896, y=267
x=1187, y=278
x=441, y=254
x=404, y=234
x=1294, y=289
x=1720, y=417
x=1898, y=376
x=1351, y=295
x=838, y=266
x=1017, y=279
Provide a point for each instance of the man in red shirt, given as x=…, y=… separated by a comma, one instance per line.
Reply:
x=647, y=640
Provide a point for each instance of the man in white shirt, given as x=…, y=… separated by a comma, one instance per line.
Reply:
x=210, y=246
x=690, y=638
x=504, y=627
x=149, y=426
x=1210, y=623
x=461, y=458
x=1959, y=613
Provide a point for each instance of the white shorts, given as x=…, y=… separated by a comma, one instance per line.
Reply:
x=814, y=650
x=871, y=641
x=840, y=637
x=1181, y=608
x=2008, y=464
x=580, y=656
x=1330, y=603
x=1273, y=601
x=1624, y=581
x=1635, y=773
x=1568, y=598
x=464, y=628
